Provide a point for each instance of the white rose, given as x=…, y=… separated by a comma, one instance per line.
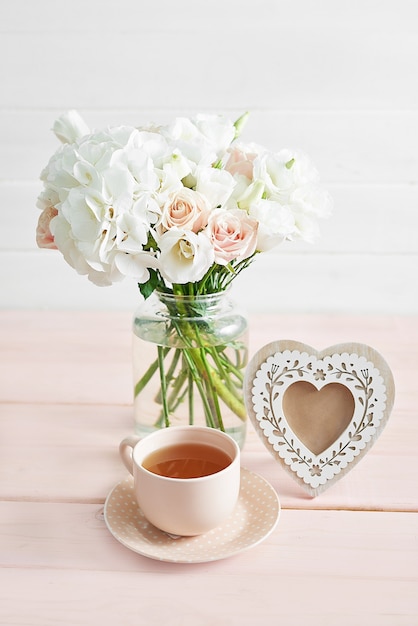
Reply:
x=177, y=166
x=185, y=256
x=203, y=140
x=275, y=223
x=186, y=139
x=218, y=130
x=284, y=171
x=70, y=127
x=135, y=266
x=215, y=184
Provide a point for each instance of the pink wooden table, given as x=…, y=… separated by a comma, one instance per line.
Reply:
x=349, y=556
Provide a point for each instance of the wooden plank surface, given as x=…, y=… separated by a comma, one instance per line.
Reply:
x=41, y=444
x=317, y=567
x=88, y=354
x=349, y=555
x=66, y=401
x=190, y=598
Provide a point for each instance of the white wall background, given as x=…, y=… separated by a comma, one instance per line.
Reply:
x=337, y=79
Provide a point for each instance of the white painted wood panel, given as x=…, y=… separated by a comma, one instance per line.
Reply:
x=205, y=594
x=130, y=15
x=290, y=283
x=249, y=57
x=335, y=80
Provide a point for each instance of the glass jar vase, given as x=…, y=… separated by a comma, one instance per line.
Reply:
x=189, y=359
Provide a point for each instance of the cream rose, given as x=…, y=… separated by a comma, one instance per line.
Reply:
x=185, y=209
x=44, y=237
x=241, y=160
x=233, y=235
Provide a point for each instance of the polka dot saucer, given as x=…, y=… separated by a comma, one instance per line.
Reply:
x=255, y=517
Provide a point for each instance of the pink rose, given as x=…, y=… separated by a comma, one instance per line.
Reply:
x=185, y=209
x=241, y=162
x=44, y=237
x=233, y=234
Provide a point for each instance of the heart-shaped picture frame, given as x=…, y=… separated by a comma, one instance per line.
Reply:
x=318, y=412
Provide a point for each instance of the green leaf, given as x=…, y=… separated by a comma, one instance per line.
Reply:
x=152, y=283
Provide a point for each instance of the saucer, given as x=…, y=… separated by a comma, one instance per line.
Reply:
x=255, y=517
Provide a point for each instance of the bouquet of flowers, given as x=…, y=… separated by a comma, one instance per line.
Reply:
x=181, y=209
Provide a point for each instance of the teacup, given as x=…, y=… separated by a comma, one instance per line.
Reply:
x=186, y=478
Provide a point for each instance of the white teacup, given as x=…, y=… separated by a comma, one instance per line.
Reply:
x=198, y=480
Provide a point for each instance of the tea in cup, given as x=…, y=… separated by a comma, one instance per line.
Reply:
x=186, y=478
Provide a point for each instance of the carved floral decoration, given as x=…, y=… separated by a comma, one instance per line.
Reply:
x=359, y=396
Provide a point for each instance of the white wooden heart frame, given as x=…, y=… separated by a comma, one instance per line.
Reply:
x=357, y=367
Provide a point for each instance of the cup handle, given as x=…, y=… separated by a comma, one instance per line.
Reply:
x=126, y=447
